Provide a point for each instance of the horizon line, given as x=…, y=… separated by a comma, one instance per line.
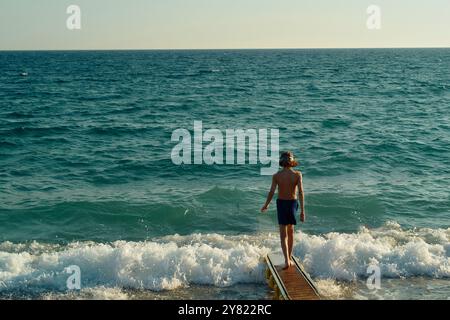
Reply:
x=223, y=49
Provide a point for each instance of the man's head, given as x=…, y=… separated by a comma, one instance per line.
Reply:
x=287, y=160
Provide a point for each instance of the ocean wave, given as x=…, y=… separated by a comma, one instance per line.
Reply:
x=139, y=265
x=176, y=261
x=399, y=253
x=19, y=115
x=332, y=123
x=35, y=131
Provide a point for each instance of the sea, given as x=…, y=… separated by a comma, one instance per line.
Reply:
x=92, y=205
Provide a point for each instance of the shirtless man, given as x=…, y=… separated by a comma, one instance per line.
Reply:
x=288, y=182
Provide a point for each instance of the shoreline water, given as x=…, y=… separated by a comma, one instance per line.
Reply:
x=410, y=260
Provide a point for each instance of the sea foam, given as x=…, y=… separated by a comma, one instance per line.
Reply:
x=211, y=259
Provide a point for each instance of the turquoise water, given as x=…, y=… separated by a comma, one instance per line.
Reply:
x=86, y=176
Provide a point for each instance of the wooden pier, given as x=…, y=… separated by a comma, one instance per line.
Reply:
x=291, y=284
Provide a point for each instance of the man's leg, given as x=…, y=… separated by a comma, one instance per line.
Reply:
x=290, y=238
x=284, y=245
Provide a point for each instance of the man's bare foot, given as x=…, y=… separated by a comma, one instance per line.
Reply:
x=287, y=265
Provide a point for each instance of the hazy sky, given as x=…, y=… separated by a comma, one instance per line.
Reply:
x=160, y=24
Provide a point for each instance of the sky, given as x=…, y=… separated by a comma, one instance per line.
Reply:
x=220, y=24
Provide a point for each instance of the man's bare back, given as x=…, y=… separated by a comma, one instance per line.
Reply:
x=287, y=181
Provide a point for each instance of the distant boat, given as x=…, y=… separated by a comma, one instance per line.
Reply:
x=24, y=74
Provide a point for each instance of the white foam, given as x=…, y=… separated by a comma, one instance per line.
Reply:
x=96, y=293
x=331, y=289
x=149, y=265
x=398, y=253
x=212, y=259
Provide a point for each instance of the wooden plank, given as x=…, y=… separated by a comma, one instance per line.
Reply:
x=306, y=276
x=276, y=279
x=294, y=283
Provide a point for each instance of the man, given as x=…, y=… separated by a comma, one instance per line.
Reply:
x=288, y=182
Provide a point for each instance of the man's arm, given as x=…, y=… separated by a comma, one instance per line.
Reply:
x=273, y=187
x=301, y=197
